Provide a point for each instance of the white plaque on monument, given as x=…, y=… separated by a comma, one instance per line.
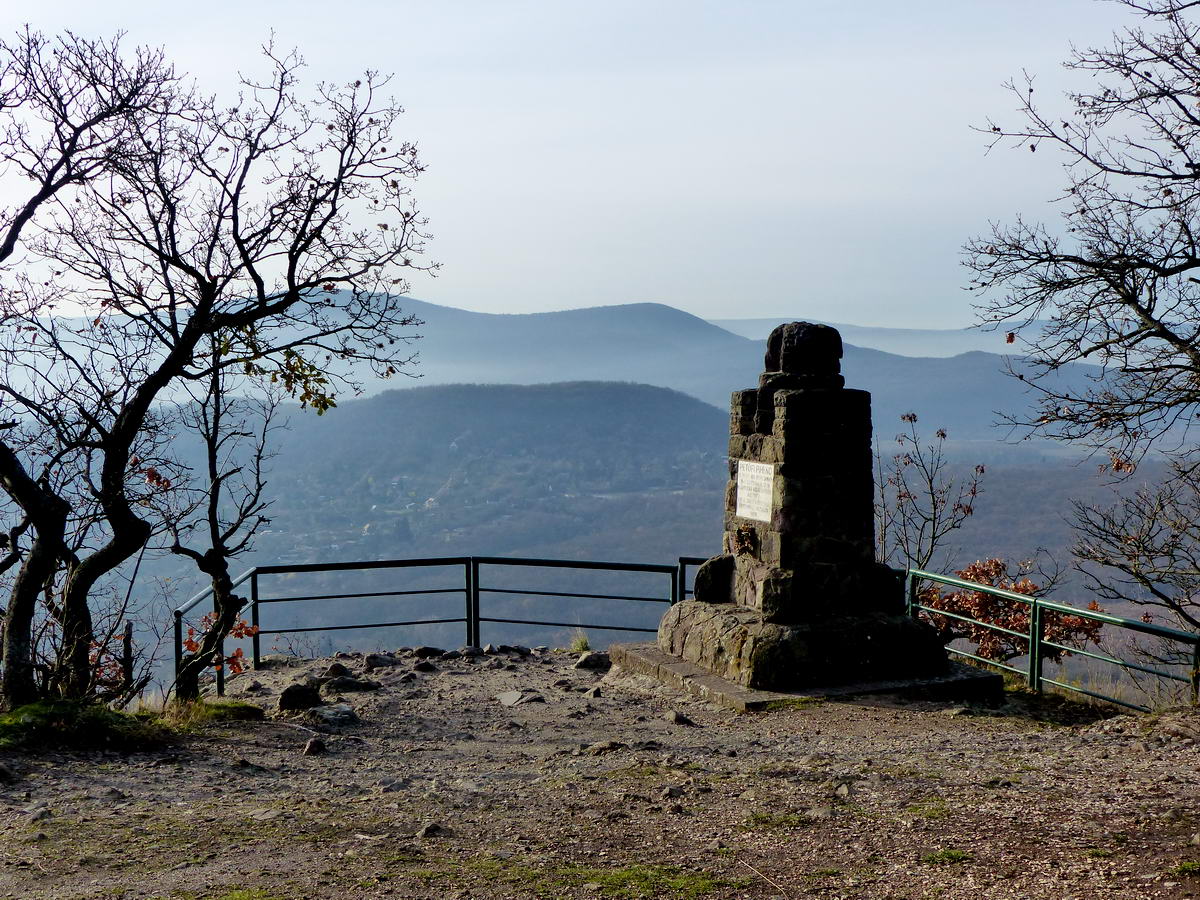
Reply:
x=755, y=486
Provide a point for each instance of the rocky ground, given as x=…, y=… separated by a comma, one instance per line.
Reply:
x=517, y=774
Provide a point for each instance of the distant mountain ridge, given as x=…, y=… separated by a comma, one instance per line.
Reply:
x=902, y=341
x=656, y=344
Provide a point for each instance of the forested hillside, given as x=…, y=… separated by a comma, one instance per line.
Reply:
x=585, y=470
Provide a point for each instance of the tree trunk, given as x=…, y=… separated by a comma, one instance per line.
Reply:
x=74, y=674
x=18, y=685
x=227, y=607
x=47, y=512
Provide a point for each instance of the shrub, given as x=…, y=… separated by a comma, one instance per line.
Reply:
x=1072, y=631
x=190, y=715
x=580, y=642
x=78, y=725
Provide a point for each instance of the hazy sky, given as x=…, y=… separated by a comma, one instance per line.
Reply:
x=733, y=159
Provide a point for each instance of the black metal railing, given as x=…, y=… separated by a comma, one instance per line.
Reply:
x=475, y=573
x=472, y=586
x=685, y=563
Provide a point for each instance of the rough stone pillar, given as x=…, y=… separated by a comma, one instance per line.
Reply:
x=796, y=599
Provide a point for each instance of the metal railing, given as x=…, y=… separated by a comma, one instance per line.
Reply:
x=1037, y=644
x=472, y=587
x=685, y=563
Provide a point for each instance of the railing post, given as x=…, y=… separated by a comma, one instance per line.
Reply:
x=1037, y=631
x=473, y=603
x=678, y=580
x=255, y=649
x=472, y=641
x=910, y=594
x=220, y=662
x=178, y=643
x=1194, y=676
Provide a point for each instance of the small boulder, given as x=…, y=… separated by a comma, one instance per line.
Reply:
x=469, y=652
x=433, y=830
x=592, y=659
x=427, y=652
x=336, y=670
x=315, y=747
x=517, y=698
x=675, y=717
x=299, y=696
x=337, y=715
x=602, y=747
x=379, y=661
x=349, y=683
x=7, y=775
x=424, y=666
x=593, y=692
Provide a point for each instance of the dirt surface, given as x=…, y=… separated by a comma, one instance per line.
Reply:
x=442, y=790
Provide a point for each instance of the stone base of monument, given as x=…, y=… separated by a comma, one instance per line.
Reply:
x=738, y=644
x=959, y=682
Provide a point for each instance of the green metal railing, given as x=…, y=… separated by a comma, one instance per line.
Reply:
x=1038, y=645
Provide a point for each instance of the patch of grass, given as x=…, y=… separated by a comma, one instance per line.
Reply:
x=647, y=881
x=579, y=642
x=1097, y=853
x=231, y=894
x=193, y=715
x=628, y=883
x=75, y=725
x=793, y=703
x=946, y=857
x=930, y=809
x=1187, y=870
x=775, y=820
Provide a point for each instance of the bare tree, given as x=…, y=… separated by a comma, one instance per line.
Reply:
x=918, y=503
x=1144, y=550
x=69, y=109
x=265, y=238
x=1115, y=283
x=232, y=506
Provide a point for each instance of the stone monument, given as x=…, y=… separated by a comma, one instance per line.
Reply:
x=796, y=599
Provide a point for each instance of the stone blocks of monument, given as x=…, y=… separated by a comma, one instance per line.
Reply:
x=796, y=599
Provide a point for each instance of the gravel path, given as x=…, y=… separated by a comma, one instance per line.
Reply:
x=442, y=790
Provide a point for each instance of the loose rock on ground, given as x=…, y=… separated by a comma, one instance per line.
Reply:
x=429, y=786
